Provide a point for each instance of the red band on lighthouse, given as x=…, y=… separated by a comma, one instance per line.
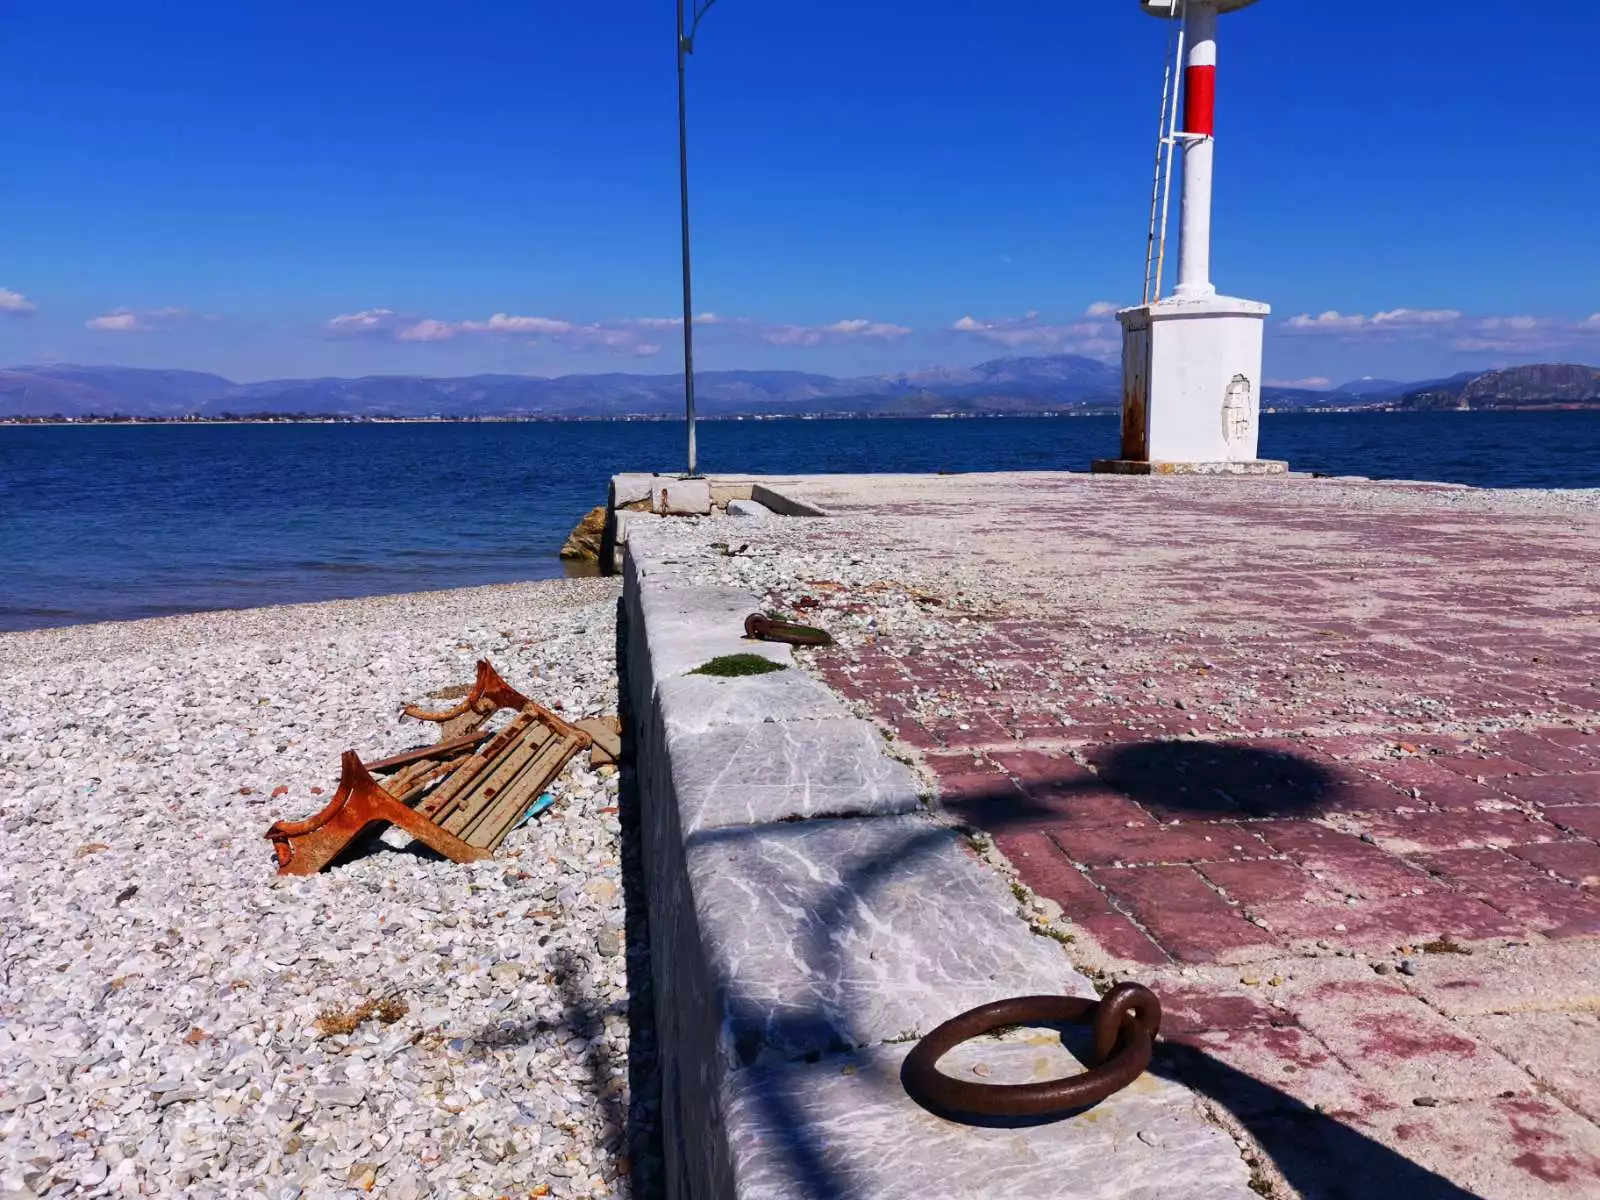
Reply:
x=1200, y=101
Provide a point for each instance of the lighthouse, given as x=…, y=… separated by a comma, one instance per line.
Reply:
x=1191, y=361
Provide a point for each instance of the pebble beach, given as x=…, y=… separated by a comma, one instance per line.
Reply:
x=176, y=1019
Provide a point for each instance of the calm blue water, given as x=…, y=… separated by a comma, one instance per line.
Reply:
x=100, y=523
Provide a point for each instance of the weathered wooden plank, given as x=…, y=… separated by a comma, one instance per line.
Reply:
x=495, y=820
x=470, y=802
x=460, y=779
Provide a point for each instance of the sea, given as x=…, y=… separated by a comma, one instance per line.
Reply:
x=101, y=523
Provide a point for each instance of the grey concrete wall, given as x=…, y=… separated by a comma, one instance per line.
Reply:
x=809, y=920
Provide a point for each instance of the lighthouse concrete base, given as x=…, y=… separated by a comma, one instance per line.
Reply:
x=1191, y=388
x=1135, y=466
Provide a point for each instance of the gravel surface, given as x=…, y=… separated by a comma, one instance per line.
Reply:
x=175, y=1019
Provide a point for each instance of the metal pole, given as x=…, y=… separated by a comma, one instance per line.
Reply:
x=683, y=205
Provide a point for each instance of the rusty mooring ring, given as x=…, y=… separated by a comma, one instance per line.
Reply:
x=766, y=629
x=1125, y=1023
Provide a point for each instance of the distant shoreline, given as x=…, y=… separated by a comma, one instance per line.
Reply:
x=641, y=419
x=1376, y=409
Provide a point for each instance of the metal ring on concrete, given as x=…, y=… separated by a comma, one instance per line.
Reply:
x=1125, y=1023
x=766, y=629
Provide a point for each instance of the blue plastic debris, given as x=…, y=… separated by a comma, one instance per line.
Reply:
x=541, y=805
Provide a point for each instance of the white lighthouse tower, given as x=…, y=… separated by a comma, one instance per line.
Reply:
x=1191, y=361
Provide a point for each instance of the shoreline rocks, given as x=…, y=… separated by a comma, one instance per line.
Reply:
x=584, y=542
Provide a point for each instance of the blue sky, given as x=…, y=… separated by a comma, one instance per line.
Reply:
x=264, y=189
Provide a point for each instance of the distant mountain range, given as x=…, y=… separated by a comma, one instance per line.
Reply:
x=1058, y=382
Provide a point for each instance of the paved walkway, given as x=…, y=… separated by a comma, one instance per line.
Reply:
x=1317, y=760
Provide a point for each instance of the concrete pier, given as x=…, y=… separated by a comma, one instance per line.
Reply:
x=1317, y=760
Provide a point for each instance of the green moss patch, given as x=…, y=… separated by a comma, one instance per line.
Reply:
x=733, y=666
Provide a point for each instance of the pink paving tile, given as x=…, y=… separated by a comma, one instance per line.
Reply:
x=1519, y=889
x=1121, y=938
x=1465, y=866
x=1552, y=790
x=1577, y=862
x=1424, y=781
x=971, y=730
x=1382, y=925
x=1584, y=819
x=1394, y=1041
x=1480, y=764
x=1212, y=780
x=1260, y=881
x=1540, y=753
x=1190, y=1010
x=1264, y=1070
x=1043, y=868
x=1344, y=862
x=1188, y=919
x=1547, y=906
x=1041, y=865
x=1582, y=741
x=1044, y=769
x=984, y=796
x=914, y=734
x=1517, y=1147
x=1190, y=842
x=1409, y=833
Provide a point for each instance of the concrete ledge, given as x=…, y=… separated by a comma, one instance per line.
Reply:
x=784, y=505
x=808, y=919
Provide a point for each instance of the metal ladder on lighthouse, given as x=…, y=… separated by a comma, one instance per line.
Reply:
x=1167, y=143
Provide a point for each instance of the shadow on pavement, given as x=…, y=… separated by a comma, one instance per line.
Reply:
x=1317, y=1154
x=1215, y=780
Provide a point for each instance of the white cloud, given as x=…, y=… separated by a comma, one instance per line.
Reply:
x=386, y=323
x=1517, y=323
x=1100, y=308
x=855, y=329
x=367, y=322
x=15, y=304
x=1515, y=334
x=859, y=327
x=705, y=318
x=1094, y=337
x=1396, y=319
x=427, y=331
x=117, y=322
x=126, y=320
x=1312, y=383
x=631, y=336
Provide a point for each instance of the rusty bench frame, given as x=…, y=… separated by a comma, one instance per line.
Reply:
x=460, y=796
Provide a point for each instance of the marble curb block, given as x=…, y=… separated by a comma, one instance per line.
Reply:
x=682, y=497
x=733, y=773
x=803, y=910
x=842, y=1127
x=700, y=624
x=839, y=934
